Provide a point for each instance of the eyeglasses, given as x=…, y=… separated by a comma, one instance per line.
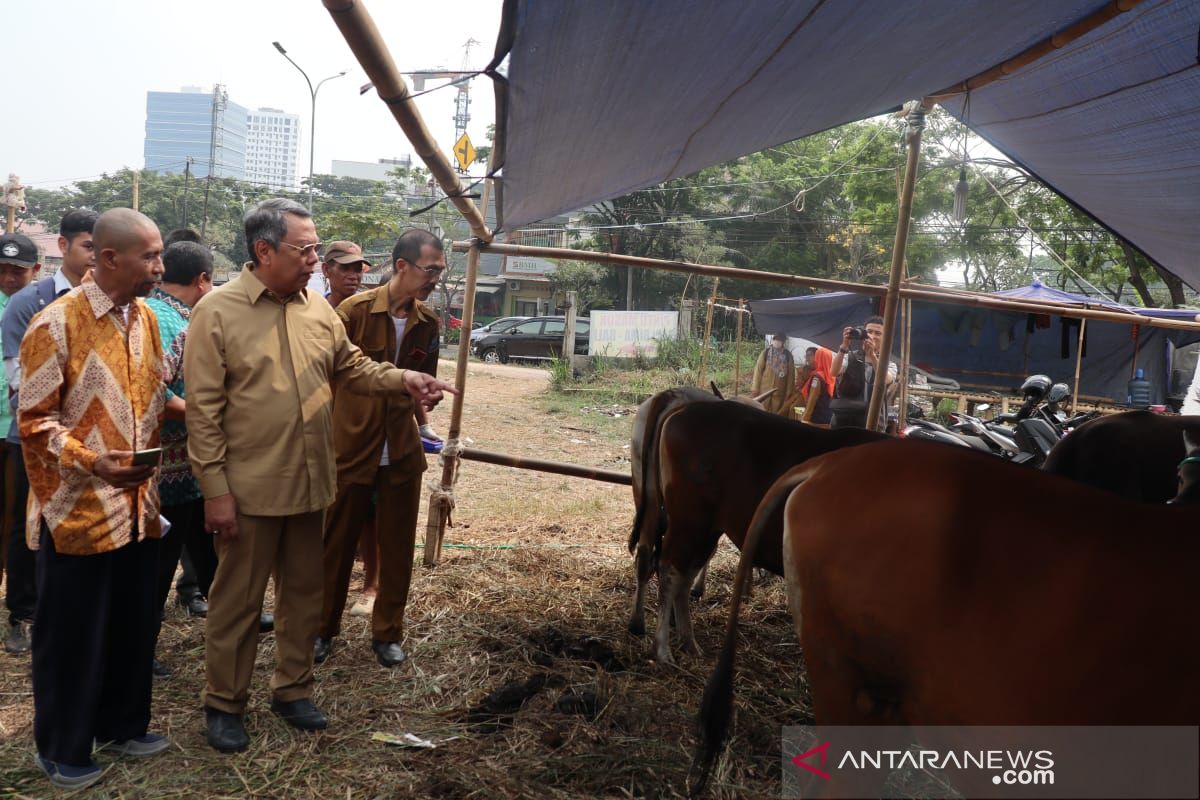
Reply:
x=307, y=250
x=432, y=271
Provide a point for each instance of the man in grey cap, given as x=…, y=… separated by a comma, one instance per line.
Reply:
x=343, y=266
x=19, y=263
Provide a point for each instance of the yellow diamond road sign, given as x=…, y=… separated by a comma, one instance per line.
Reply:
x=464, y=152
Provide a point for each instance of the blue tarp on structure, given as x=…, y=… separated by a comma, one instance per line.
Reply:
x=985, y=349
x=606, y=97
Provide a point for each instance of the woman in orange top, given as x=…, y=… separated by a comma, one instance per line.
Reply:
x=818, y=386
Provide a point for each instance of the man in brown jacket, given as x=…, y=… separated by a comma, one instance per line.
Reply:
x=378, y=447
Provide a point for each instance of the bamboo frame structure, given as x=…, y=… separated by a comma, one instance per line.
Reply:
x=365, y=42
x=737, y=364
x=542, y=465
x=905, y=358
x=707, y=333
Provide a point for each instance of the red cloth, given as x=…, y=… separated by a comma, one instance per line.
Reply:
x=822, y=364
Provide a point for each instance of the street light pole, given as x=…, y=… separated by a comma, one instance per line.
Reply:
x=312, y=125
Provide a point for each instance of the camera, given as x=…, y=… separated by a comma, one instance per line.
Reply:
x=856, y=336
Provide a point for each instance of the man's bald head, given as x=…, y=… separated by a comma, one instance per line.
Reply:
x=119, y=228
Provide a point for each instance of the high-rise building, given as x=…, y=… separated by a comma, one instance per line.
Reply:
x=198, y=125
x=370, y=170
x=272, y=139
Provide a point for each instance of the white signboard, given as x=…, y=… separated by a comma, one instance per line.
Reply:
x=528, y=266
x=624, y=334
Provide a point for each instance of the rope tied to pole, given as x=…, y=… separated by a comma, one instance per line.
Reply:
x=914, y=120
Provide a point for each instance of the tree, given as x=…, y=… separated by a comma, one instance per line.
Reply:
x=587, y=280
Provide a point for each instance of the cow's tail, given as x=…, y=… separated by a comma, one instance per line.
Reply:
x=644, y=543
x=715, y=390
x=717, y=706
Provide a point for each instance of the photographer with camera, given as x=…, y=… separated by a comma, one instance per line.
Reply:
x=854, y=367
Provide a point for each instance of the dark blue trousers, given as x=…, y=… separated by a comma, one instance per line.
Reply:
x=93, y=643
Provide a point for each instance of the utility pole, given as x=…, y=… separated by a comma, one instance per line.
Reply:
x=187, y=174
x=136, y=175
x=218, y=115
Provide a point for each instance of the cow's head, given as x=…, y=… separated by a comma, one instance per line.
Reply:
x=1189, y=469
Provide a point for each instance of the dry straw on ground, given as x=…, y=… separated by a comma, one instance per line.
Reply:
x=520, y=670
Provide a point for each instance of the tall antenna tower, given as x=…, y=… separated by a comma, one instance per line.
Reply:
x=460, y=78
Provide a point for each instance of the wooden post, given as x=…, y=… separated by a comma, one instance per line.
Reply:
x=916, y=124
x=136, y=187
x=707, y=333
x=1078, y=366
x=568, y=344
x=441, y=500
x=905, y=360
x=737, y=365
x=11, y=227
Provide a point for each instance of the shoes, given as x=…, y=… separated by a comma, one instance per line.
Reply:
x=266, y=622
x=302, y=714
x=18, y=639
x=226, y=732
x=388, y=654
x=363, y=607
x=322, y=647
x=65, y=776
x=196, y=605
x=148, y=745
x=159, y=671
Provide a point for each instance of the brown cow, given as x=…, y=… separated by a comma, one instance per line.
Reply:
x=1134, y=454
x=947, y=587
x=715, y=461
x=643, y=457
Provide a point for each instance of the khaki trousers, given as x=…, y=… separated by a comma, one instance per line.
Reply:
x=396, y=530
x=291, y=548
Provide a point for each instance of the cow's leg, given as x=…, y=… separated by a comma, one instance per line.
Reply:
x=683, y=612
x=643, y=567
x=698, y=584
x=670, y=584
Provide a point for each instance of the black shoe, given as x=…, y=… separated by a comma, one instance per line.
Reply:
x=322, y=647
x=18, y=638
x=266, y=622
x=195, y=605
x=388, y=654
x=226, y=732
x=159, y=671
x=302, y=714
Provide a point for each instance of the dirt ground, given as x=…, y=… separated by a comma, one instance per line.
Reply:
x=520, y=669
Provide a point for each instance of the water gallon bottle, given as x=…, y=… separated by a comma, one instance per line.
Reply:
x=1139, y=390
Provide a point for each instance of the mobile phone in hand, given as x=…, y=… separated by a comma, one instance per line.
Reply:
x=147, y=458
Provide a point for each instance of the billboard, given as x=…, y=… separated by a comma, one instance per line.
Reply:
x=624, y=334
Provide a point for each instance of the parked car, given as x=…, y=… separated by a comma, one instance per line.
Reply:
x=495, y=326
x=537, y=338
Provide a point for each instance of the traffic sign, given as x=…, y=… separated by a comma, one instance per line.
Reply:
x=464, y=152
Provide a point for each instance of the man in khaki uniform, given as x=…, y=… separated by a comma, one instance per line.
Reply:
x=260, y=358
x=378, y=448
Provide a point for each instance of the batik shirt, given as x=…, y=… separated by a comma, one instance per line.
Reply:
x=92, y=381
x=176, y=484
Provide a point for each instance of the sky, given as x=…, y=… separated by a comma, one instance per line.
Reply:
x=82, y=70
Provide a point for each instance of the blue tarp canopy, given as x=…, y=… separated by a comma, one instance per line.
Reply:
x=610, y=96
x=991, y=350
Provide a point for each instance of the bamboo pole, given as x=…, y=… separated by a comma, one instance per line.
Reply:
x=916, y=125
x=1078, y=366
x=1043, y=48
x=914, y=291
x=1035, y=307
x=707, y=270
x=905, y=360
x=363, y=37
x=737, y=364
x=707, y=333
x=541, y=465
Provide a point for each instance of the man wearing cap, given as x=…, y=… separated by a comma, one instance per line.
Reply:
x=378, y=446
x=75, y=242
x=343, y=267
x=18, y=265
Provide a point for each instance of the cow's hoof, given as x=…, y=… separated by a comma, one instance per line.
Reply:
x=637, y=627
x=697, y=592
x=691, y=648
x=665, y=658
